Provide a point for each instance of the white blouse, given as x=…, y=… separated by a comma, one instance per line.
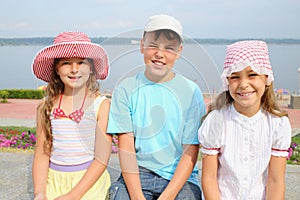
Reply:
x=245, y=146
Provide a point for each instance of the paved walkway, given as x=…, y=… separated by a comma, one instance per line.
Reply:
x=16, y=182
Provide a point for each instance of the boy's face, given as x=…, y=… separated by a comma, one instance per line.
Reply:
x=160, y=55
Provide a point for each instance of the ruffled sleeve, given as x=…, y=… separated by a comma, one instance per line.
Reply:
x=210, y=133
x=281, y=136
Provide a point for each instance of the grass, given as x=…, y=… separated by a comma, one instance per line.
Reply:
x=294, y=156
x=18, y=128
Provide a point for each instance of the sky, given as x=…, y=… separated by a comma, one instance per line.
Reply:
x=229, y=19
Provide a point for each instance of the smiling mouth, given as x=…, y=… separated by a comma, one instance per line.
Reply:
x=245, y=94
x=74, y=77
x=158, y=63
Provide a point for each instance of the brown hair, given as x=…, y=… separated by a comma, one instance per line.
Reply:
x=268, y=102
x=54, y=88
x=169, y=34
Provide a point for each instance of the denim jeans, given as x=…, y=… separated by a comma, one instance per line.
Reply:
x=153, y=185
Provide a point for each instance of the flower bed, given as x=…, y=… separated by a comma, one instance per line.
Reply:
x=294, y=151
x=114, y=147
x=25, y=138
x=19, y=138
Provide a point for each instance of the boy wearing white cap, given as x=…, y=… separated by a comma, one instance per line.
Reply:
x=156, y=115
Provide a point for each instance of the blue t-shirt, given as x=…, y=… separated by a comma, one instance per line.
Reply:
x=162, y=116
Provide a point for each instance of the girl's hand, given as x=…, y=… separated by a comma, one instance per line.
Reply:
x=64, y=197
x=40, y=196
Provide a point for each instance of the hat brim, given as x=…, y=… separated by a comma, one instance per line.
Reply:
x=43, y=61
x=150, y=29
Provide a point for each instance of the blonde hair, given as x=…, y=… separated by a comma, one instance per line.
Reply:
x=54, y=88
x=268, y=102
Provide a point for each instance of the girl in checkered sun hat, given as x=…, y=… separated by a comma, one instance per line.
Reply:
x=72, y=147
x=245, y=135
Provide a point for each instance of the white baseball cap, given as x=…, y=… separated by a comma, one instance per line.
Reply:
x=161, y=21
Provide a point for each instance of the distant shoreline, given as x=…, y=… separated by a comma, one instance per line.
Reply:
x=45, y=41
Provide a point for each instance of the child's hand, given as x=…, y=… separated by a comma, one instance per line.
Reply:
x=65, y=197
x=40, y=196
x=165, y=196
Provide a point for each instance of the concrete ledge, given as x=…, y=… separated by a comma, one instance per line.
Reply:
x=295, y=131
x=16, y=181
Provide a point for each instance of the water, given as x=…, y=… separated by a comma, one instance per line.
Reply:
x=201, y=63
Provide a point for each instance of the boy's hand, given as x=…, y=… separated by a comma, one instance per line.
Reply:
x=164, y=196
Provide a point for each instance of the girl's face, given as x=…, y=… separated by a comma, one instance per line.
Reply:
x=247, y=87
x=74, y=72
x=159, y=56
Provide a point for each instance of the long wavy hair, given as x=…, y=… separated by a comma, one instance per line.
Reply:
x=268, y=102
x=54, y=88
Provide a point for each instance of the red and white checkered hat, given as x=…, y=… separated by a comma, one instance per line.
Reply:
x=239, y=55
x=70, y=45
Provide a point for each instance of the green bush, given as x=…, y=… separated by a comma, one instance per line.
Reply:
x=4, y=95
x=22, y=94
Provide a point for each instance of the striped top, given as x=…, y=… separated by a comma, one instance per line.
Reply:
x=73, y=143
x=244, y=147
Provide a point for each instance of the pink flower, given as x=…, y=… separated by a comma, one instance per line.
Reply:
x=115, y=140
x=290, y=153
x=294, y=145
x=114, y=149
x=3, y=144
x=32, y=137
x=23, y=134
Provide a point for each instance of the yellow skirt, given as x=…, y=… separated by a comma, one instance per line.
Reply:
x=60, y=183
